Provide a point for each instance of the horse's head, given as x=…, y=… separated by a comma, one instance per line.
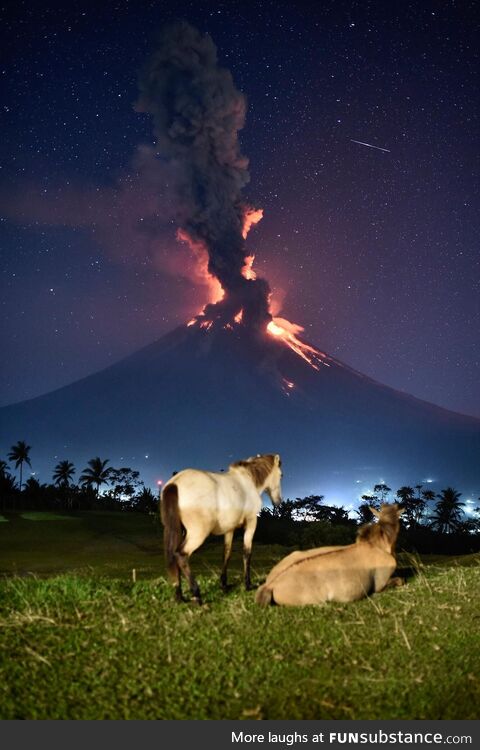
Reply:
x=383, y=533
x=266, y=474
x=273, y=486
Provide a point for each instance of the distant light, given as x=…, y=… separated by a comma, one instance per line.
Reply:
x=147, y=456
x=159, y=482
x=469, y=507
x=429, y=481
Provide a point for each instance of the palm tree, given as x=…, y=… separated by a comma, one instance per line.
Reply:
x=448, y=511
x=63, y=473
x=19, y=454
x=95, y=473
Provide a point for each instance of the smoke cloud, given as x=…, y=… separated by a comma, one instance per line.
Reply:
x=197, y=113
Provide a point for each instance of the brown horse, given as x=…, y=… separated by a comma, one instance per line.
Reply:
x=339, y=574
x=198, y=503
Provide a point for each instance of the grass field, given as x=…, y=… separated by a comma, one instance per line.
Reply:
x=79, y=639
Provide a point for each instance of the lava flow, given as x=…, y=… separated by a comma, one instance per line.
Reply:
x=279, y=328
x=287, y=332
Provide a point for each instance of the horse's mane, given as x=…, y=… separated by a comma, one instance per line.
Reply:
x=386, y=528
x=259, y=467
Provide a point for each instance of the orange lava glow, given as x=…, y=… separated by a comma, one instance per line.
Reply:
x=202, y=275
x=206, y=324
x=280, y=328
x=287, y=332
x=251, y=217
x=247, y=270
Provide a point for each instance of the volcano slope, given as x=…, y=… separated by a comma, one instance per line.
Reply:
x=206, y=396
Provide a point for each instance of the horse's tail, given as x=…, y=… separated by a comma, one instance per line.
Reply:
x=172, y=526
x=264, y=596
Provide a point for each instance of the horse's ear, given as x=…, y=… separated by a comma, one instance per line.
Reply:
x=374, y=511
x=277, y=459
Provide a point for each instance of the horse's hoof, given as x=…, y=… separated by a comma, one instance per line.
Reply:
x=179, y=598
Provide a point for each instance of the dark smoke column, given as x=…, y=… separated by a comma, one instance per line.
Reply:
x=197, y=113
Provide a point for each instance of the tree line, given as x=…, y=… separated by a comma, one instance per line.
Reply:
x=126, y=491
x=306, y=522
x=431, y=522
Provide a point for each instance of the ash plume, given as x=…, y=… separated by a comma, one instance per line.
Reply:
x=197, y=113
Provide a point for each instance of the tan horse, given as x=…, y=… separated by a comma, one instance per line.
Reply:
x=339, y=574
x=196, y=503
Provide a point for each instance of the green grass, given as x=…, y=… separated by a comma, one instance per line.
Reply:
x=45, y=516
x=91, y=644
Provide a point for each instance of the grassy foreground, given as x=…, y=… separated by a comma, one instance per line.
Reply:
x=92, y=644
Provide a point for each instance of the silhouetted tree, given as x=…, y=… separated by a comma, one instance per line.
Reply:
x=63, y=473
x=381, y=491
x=19, y=453
x=428, y=496
x=284, y=510
x=413, y=505
x=7, y=485
x=125, y=483
x=146, y=501
x=333, y=514
x=448, y=511
x=308, y=507
x=96, y=474
x=364, y=513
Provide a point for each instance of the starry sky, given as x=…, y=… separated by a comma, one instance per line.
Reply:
x=375, y=252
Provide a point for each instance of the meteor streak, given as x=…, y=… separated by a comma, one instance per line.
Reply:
x=370, y=145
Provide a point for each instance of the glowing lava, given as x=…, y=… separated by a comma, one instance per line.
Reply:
x=287, y=332
x=280, y=328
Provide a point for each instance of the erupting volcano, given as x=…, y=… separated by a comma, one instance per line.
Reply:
x=235, y=380
x=197, y=114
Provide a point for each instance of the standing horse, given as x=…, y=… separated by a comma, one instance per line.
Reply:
x=339, y=574
x=205, y=502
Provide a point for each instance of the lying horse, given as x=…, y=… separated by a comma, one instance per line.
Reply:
x=196, y=503
x=339, y=574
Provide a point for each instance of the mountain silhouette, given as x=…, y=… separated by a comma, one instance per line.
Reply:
x=204, y=398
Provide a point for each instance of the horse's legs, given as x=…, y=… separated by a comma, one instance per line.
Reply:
x=247, y=551
x=227, y=551
x=190, y=544
x=178, y=584
x=182, y=560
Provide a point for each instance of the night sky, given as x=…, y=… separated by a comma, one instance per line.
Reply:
x=375, y=252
